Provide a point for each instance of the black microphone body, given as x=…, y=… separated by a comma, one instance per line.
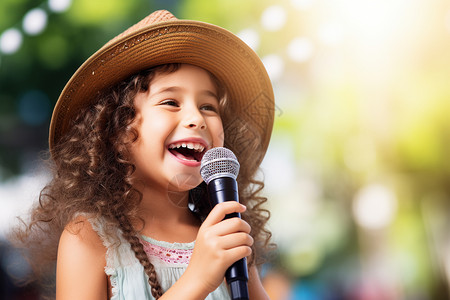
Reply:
x=219, y=169
x=223, y=189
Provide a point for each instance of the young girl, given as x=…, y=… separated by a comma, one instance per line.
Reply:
x=126, y=215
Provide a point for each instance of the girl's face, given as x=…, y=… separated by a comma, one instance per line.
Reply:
x=177, y=120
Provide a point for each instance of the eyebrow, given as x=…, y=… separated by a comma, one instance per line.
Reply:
x=178, y=89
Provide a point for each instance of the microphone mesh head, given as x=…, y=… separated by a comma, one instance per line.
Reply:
x=219, y=162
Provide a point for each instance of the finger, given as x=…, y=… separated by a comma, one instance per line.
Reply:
x=229, y=226
x=235, y=240
x=234, y=254
x=219, y=212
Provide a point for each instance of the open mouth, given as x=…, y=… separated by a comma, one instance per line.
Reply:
x=188, y=151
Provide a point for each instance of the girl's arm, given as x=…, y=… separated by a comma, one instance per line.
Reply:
x=80, y=264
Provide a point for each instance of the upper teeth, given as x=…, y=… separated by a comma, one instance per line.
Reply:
x=194, y=146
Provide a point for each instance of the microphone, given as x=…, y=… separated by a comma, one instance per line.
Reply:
x=219, y=169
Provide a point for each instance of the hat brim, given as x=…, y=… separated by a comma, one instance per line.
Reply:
x=213, y=48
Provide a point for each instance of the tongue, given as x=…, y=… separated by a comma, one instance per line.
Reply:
x=183, y=154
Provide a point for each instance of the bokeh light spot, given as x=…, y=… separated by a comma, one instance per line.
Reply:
x=374, y=206
x=273, y=18
x=35, y=21
x=300, y=49
x=10, y=41
x=59, y=5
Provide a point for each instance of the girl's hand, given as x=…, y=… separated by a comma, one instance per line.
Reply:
x=218, y=245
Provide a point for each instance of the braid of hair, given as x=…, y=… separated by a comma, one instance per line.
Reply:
x=138, y=249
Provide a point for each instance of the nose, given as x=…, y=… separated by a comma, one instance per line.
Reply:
x=194, y=119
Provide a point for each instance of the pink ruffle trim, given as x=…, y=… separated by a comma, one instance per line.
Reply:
x=179, y=257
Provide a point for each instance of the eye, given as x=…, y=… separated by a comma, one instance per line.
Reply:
x=209, y=107
x=169, y=102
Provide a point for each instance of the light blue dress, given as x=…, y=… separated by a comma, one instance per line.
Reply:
x=127, y=276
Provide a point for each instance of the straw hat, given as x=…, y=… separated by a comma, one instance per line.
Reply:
x=161, y=38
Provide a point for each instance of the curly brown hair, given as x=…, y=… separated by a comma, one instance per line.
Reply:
x=92, y=174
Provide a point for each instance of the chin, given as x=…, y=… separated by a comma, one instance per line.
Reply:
x=184, y=182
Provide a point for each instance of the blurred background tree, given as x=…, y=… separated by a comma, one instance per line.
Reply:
x=357, y=171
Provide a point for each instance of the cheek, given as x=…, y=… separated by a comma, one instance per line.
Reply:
x=154, y=127
x=148, y=138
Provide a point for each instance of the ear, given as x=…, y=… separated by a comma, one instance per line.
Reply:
x=139, y=99
x=131, y=134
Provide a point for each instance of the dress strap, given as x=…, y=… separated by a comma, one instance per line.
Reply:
x=118, y=250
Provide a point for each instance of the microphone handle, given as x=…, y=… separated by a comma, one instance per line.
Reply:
x=223, y=189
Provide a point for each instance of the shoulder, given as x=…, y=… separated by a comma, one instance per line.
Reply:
x=81, y=261
x=80, y=234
